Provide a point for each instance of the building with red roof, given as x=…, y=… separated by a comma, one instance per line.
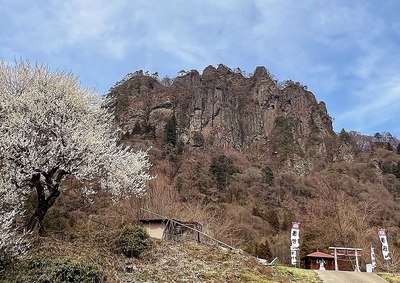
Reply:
x=319, y=260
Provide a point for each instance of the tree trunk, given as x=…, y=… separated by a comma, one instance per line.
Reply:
x=35, y=223
x=44, y=203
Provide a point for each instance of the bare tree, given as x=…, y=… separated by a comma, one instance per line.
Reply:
x=333, y=218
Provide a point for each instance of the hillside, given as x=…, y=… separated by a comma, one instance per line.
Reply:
x=166, y=261
x=246, y=156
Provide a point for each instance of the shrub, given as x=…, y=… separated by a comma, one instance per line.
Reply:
x=133, y=240
x=222, y=169
x=5, y=260
x=283, y=141
x=170, y=131
x=264, y=250
x=43, y=269
x=396, y=169
x=268, y=175
x=197, y=139
x=344, y=137
x=268, y=215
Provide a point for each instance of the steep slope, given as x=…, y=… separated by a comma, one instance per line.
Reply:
x=245, y=156
x=80, y=260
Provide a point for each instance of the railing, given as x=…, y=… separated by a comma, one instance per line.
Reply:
x=191, y=228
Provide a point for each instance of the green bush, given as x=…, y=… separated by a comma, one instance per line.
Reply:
x=40, y=269
x=170, y=131
x=283, y=141
x=133, y=240
x=222, y=169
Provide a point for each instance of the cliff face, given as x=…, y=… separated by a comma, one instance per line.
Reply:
x=222, y=108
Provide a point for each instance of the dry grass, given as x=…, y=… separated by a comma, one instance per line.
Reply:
x=166, y=261
x=390, y=277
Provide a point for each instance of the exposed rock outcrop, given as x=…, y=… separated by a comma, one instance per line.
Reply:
x=230, y=110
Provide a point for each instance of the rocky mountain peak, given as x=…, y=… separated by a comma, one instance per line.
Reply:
x=260, y=71
x=209, y=70
x=223, y=108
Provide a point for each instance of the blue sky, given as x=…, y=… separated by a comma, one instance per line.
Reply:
x=346, y=52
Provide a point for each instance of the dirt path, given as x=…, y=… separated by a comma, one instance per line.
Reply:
x=349, y=277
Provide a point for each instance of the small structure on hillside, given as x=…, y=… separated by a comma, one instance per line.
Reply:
x=175, y=229
x=319, y=260
x=171, y=229
x=155, y=227
x=265, y=262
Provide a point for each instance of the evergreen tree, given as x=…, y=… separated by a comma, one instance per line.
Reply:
x=264, y=251
x=396, y=170
x=268, y=175
x=344, y=136
x=273, y=220
x=137, y=130
x=170, y=131
x=222, y=170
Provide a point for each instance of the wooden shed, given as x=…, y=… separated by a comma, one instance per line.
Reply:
x=155, y=227
x=319, y=260
x=171, y=228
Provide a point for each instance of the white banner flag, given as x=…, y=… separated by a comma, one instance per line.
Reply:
x=385, y=245
x=293, y=256
x=373, y=261
x=295, y=236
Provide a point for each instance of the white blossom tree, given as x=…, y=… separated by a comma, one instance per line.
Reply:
x=12, y=241
x=52, y=127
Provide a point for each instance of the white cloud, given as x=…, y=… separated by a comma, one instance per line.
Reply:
x=376, y=104
x=57, y=26
x=345, y=51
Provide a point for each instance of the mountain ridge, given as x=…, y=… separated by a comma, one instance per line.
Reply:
x=225, y=108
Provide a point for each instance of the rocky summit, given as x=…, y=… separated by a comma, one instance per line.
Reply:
x=224, y=108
